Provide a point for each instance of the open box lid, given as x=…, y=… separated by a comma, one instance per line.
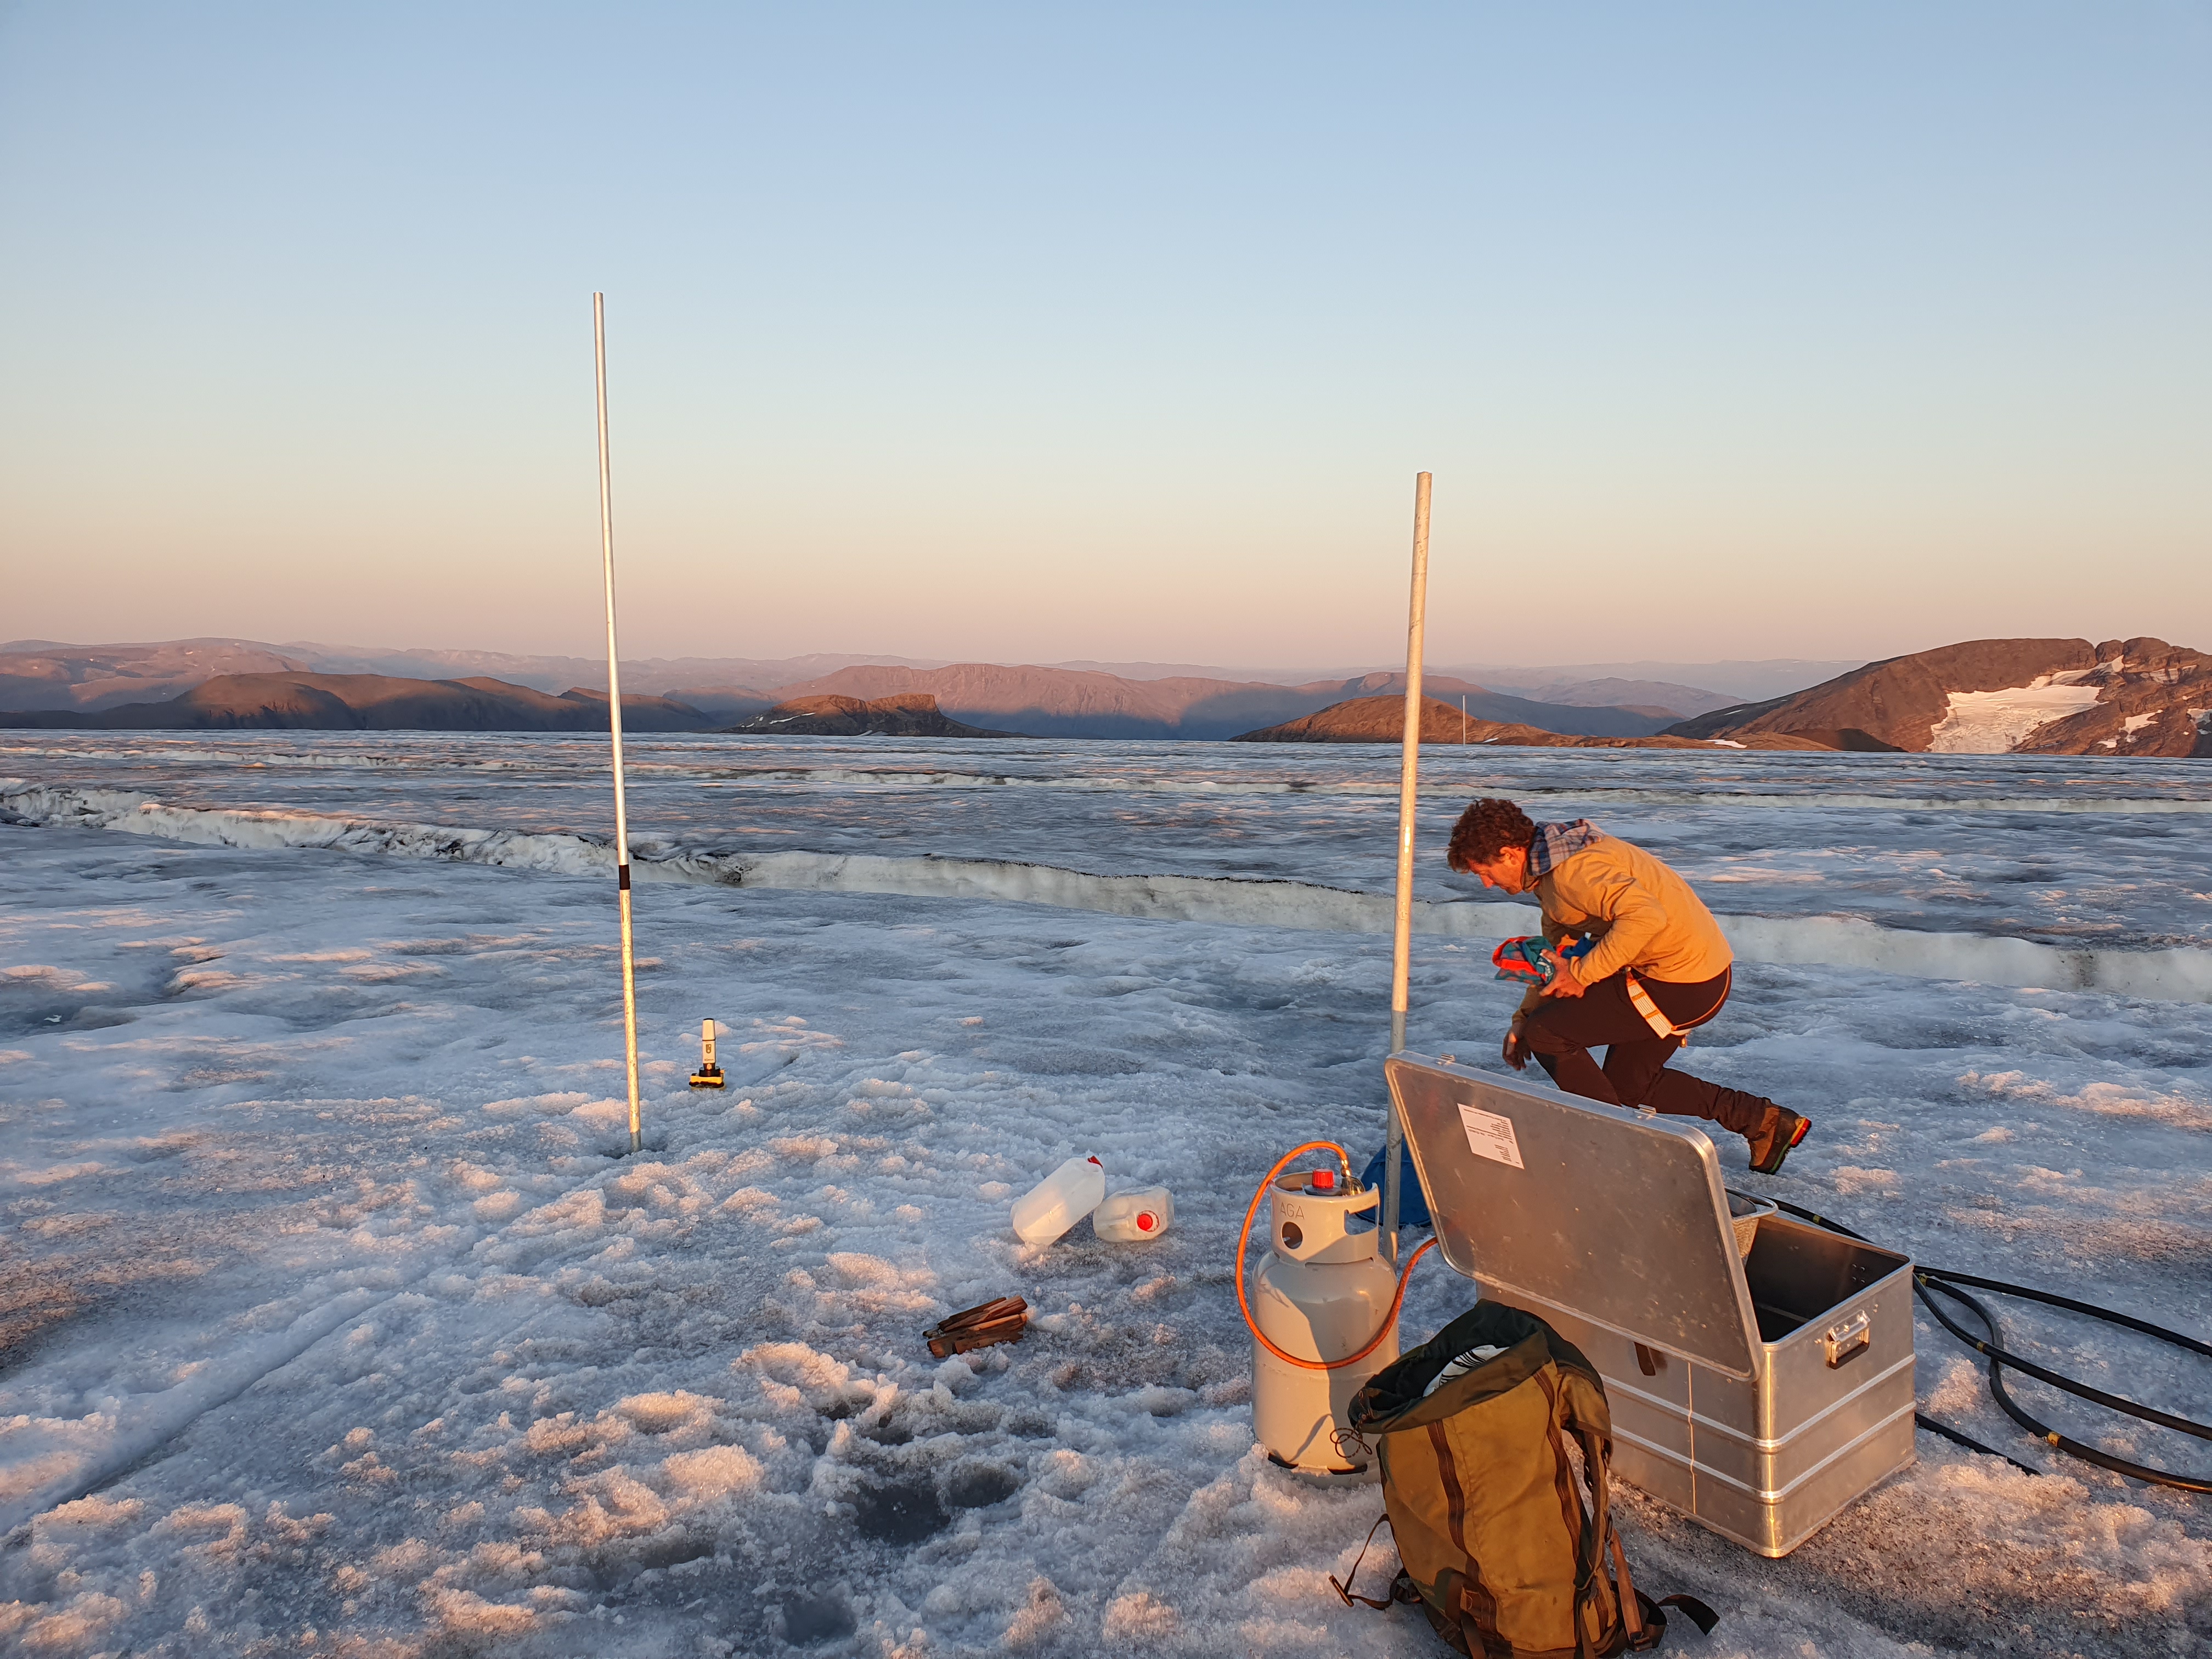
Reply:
x=1617, y=1216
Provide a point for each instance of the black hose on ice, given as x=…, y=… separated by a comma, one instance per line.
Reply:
x=1946, y=1282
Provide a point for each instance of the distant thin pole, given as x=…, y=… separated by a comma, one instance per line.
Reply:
x=1409, y=777
x=614, y=725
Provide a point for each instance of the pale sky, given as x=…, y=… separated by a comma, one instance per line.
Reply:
x=1029, y=333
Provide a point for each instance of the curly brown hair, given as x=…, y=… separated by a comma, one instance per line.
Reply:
x=1486, y=828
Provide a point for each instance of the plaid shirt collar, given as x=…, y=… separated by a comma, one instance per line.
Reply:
x=1555, y=843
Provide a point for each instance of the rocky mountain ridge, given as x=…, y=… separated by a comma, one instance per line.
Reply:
x=909, y=715
x=371, y=702
x=2140, y=696
x=971, y=699
x=1051, y=700
x=40, y=674
x=1062, y=702
x=1382, y=719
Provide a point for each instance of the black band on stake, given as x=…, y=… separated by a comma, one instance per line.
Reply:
x=622, y=877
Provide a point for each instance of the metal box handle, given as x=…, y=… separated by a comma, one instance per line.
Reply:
x=1848, y=1340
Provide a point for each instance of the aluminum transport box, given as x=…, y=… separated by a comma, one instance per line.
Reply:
x=1757, y=1394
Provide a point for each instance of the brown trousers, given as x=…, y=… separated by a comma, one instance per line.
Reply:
x=1560, y=1031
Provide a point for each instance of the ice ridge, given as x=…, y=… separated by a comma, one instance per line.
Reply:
x=2182, y=975
x=1582, y=795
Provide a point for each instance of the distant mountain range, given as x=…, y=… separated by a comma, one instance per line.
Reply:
x=2133, y=697
x=1382, y=719
x=2139, y=697
x=2123, y=697
x=372, y=702
x=45, y=674
x=40, y=674
x=1060, y=703
x=237, y=682
x=1659, y=695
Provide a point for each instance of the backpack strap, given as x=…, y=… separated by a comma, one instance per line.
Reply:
x=1345, y=1588
x=1646, y=1618
x=1455, y=1498
x=1631, y=1604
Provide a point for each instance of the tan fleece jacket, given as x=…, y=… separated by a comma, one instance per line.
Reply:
x=1642, y=914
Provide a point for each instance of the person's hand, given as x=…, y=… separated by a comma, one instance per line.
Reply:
x=1517, y=1050
x=1563, y=981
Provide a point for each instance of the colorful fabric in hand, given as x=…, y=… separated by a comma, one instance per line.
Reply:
x=1523, y=958
x=1557, y=842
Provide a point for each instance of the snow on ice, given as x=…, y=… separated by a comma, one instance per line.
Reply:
x=332, y=1321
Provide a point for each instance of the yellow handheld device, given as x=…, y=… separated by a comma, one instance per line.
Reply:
x=709, y=1075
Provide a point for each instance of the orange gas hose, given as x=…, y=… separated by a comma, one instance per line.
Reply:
x=1245, y=1238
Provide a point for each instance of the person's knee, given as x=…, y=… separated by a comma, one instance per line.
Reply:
x=1634, y=1070
x=1540, y=1039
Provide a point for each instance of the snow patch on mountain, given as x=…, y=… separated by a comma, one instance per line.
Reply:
x=1996, y=722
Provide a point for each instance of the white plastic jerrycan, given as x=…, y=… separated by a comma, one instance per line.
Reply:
x=1060, y=1200
x=1141, y=1212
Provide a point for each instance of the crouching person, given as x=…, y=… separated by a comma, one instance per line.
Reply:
x=1658, y=970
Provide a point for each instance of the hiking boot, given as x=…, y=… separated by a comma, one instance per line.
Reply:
x=1779, y=1131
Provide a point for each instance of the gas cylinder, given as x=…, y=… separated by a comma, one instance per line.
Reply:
x=1322, y=1291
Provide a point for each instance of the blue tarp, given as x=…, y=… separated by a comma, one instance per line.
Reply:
x=1413, y=1202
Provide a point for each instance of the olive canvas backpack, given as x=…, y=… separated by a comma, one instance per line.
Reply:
x=1496, y=1445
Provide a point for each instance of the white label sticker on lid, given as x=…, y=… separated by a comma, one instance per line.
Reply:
x=1490, y=1136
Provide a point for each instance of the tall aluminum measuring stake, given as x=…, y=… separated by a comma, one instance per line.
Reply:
x=614, y=725
x=1409, y=777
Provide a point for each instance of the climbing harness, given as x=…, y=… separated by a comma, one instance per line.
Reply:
x=1640, y=999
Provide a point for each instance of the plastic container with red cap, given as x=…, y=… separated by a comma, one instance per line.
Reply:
x=1132, y=1217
